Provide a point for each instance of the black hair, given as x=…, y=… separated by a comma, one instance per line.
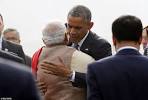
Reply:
x=127, y=28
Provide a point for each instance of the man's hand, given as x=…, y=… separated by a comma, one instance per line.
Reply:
x=56, y=69
x=42, y=87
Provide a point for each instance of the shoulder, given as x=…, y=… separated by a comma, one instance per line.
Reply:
x=102, y=63
x=82, y=56
x=13, y=69
x=17, y=79
x=27, y=57
x=80, y=61
x=94, y=38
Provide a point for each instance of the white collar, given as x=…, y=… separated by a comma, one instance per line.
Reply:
x=81, y=42
x=126, y=47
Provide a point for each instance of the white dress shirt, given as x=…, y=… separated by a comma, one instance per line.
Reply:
x=81, y=42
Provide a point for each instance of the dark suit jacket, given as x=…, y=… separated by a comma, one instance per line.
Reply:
x=13, y=48
x=16, y=82
x=97, y=48
x=123, y=76
x=28, y=61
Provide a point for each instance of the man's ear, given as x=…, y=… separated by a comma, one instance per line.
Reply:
x=90, y=25
x=140, y=40
x=43, y=41
x=66, y=39
x=114, y=40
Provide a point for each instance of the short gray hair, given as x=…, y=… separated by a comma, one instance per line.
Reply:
x=80, y=11
x=54, y=33
x=11, y=30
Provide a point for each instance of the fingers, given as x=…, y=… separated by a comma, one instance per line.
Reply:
x=52, y=64
x=54, y=68
x=42, y=87
x=47, y=63
x=49, y=69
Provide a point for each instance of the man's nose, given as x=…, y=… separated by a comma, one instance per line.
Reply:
x=73, y=31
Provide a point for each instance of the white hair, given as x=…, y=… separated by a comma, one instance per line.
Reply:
x=54, y=33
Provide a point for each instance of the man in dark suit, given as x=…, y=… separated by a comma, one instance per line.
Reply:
x=8, y=46
x=13, y=35
x=123, y=76
x=16, y=83
x=81, y=37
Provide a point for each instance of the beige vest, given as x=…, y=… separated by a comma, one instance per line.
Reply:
x=58, y=88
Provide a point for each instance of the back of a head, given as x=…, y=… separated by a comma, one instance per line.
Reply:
x=80, y=11
x=127, y=28
x=54, y=33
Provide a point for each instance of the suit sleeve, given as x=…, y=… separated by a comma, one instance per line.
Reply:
x=80, y=80
x=93, y=92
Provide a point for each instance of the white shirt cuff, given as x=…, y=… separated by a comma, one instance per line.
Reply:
x=73, y=76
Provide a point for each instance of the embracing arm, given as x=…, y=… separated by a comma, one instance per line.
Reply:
x=78, y=80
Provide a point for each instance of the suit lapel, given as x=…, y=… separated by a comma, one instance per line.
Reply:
x=85, y=47
x=4, y=45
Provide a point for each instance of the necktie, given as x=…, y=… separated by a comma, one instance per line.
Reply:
x=76, y=46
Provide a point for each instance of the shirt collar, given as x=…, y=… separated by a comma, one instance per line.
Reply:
x=81, y=42
x=127, y=47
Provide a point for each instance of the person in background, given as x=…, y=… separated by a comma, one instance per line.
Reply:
x=81, y=37
x=123, y=76
x=16, y=82
x=55, y=41
x=13, y=35
x=145, y=40
x=9, y=46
